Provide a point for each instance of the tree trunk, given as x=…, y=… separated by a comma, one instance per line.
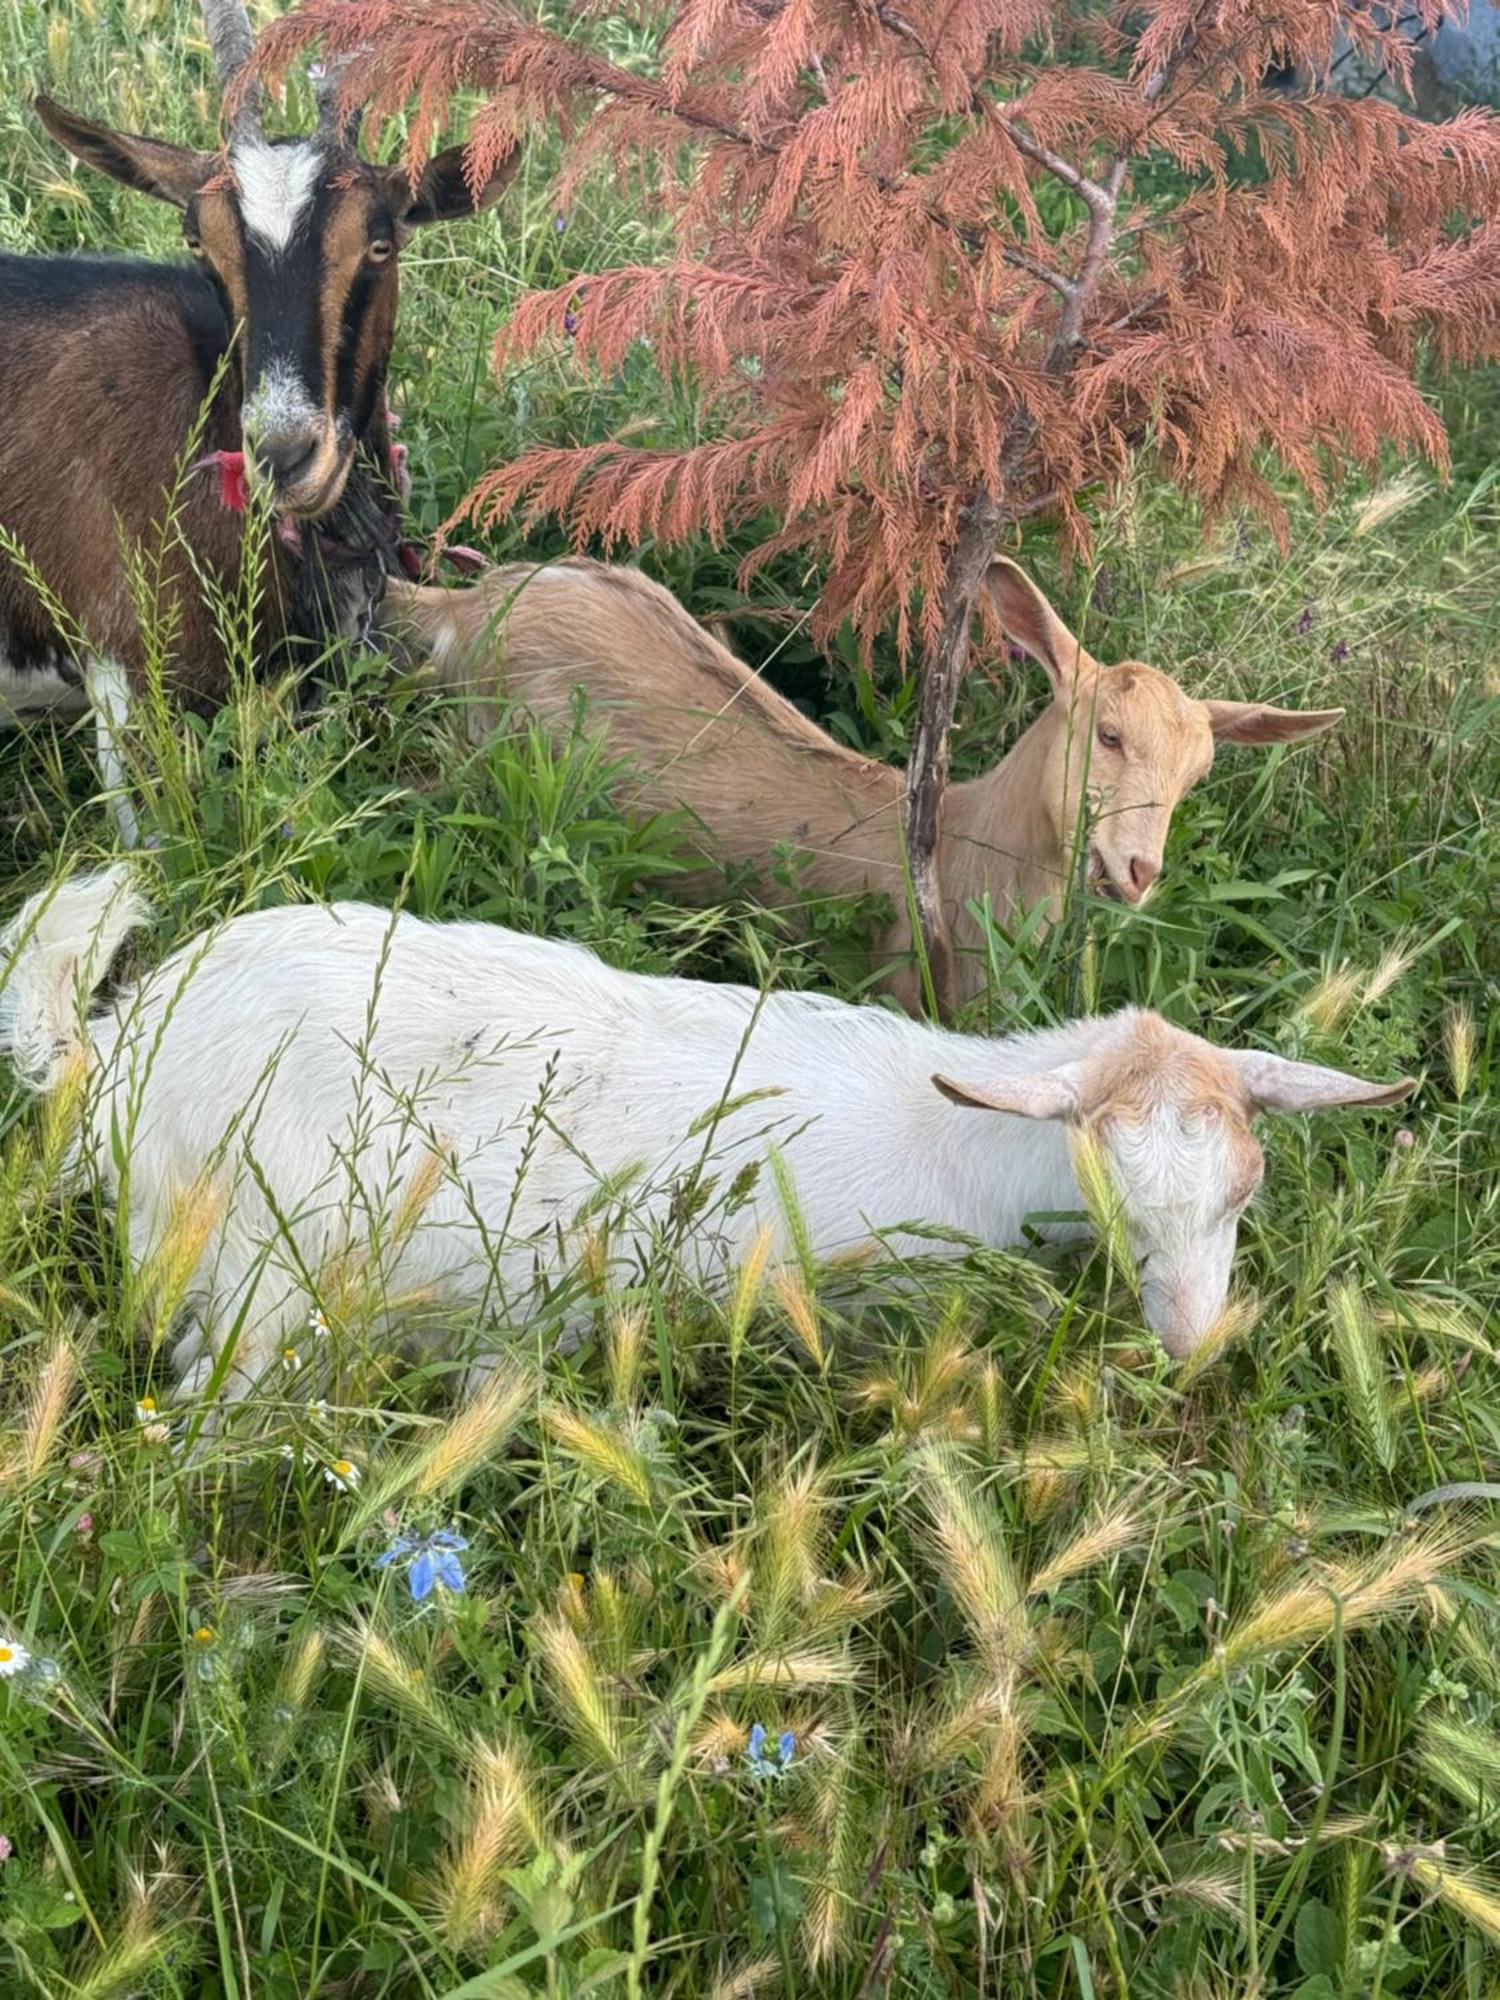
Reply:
x=945, y=660
x=943, y=667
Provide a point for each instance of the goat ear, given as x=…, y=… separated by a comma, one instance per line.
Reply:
x=150, y=166
x=1277, y=1084
x=1045, y=1093
x=443, y=192
x=1031, y=623
x=1258, y=722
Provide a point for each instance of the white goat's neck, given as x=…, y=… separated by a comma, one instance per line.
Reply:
x=1002, y=834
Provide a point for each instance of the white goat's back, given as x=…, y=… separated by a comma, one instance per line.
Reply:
x=314, y=1064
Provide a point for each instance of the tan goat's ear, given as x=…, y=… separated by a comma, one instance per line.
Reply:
x=1031, y=623
x=1046, y=1093
x=150, y=166
x=1277, y=1084
x=1258, y=722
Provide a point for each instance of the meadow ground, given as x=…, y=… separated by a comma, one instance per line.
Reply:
x=1099, y=1676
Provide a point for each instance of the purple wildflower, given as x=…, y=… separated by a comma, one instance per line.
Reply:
x=1339, y=653
x=1305, y=622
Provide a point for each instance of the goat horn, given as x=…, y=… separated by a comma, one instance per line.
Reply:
x=232, y=40
x=332, y=121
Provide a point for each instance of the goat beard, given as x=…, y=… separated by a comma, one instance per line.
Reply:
x=342, y=561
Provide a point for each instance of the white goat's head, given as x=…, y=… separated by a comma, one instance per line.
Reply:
x=1126, y=739
x=1173, y=1116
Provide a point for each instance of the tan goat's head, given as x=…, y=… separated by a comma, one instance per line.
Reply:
x=1126, y=739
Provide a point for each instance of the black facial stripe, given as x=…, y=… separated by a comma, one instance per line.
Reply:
x=356, y=398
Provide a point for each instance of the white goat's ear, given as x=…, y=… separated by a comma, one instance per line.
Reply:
x=1046, y=1093
x=1276, y=1084
x=1259, y=722
x=1032, y=624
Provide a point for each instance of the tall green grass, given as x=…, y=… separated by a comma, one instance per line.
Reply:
x=1100, y=1677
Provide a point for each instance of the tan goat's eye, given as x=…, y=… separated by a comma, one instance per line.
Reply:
x=1109, y=739
x=194, y=245
x=380, y=250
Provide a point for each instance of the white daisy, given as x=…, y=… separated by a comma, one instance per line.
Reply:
x=316, y=1324
x=14, y=1659
x=145, y=1410
x=342, y=1473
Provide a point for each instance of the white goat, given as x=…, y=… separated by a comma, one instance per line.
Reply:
x=455, y=1107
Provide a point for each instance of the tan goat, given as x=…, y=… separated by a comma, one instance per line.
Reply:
x=701, y=731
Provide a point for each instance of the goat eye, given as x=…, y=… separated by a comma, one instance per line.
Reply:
x=1109, y=739
x=194, y=245
x=380, y=250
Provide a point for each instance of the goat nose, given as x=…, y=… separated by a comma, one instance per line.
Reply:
x=1143, y=872
x=281, y=458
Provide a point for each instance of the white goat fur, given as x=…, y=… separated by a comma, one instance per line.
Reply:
x=362, y=1091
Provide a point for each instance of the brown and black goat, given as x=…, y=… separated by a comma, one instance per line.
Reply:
x=280, y=330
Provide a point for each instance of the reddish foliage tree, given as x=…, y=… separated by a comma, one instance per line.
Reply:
x=930, y=278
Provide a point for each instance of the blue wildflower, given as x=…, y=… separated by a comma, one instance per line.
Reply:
x=570, y=323
x=761, y=1765
x=430, y=1559
x=1339, y=653
x=560, y=223
x=1305, y=622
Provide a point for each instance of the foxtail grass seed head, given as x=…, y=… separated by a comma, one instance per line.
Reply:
x=25, y=1453
x=1119, y=1529
x=299, y=1673
x=626, y=1348
x=1458, y=1045
x=502, y=1824
x=1361, y=1362
x=1333, y=999
x=1464, y=1759
x=1393, y=966
x=469, y=1440
x=1391, y=498
x=602, y=1449
x=968, y=1544
x=1472, y=1896
x=1337, y=1596
x=789, y=1667
x=748, y=1282
x=746, y=1981
x=801, y=1312
x=1238, y=1320
x=196, y=1213
x=990, y=1402
x=1101, y=1199
x=789, y=1547
x=385, y=1667
x=579, y=1691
